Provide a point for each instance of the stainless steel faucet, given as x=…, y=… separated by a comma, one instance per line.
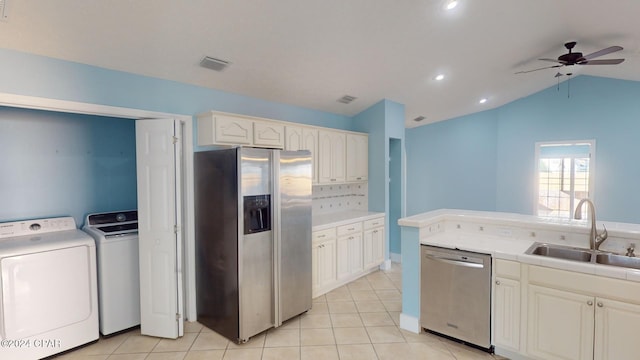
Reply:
x=595, y=239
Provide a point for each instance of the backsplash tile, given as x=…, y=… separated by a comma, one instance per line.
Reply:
x=340, y=197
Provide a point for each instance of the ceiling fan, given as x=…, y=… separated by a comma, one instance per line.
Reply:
x=576, y=58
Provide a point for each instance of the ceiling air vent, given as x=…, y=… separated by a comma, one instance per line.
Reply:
x=419, y=118
x=347, y=99
x=212, y=63
x=4, y=10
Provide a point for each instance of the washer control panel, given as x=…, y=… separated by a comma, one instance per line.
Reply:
x=37, y=226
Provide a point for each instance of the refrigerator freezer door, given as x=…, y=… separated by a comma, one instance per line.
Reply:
x=255, y=252
x=294, y=233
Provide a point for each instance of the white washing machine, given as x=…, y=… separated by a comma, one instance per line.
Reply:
x=48, y=291
x=116, y=236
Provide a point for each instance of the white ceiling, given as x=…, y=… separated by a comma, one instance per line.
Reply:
x=310, y=53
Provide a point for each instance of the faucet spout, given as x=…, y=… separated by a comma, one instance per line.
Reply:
x=595, y=239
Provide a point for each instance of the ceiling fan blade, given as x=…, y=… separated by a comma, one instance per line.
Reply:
x=602, y=62
x=554, y=60
x=546, y=67
x=606, y=51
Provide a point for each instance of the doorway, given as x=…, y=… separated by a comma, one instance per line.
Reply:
x=395, y=197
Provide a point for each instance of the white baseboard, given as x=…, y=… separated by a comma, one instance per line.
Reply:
x=409, y=323
x=386, y=265
x=397, y=258
x=510, y=354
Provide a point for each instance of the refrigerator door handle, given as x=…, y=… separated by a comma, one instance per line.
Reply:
x=277, y=234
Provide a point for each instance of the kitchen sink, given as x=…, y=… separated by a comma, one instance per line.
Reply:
x=560, y=252
x=618, y=260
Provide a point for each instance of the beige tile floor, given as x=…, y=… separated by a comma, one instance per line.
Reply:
x=357, y=321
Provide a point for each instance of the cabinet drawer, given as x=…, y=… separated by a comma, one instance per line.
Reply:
x=370, y=224
x=323, y=234
x=508, y=269
x=349, y=229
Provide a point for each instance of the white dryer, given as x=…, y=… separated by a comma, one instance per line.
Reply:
x=116, y=236
x=48, y=291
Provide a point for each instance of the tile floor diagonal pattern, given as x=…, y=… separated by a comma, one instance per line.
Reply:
x=357, y=321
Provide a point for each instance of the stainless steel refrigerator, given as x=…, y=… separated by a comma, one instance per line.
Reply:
x=253, y=239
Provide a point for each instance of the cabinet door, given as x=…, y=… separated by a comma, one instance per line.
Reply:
x=310, y=142
x=293, y=139
x=507, y=313
x=233, y=130
x=357, y=157
x=323, y=264
x=560, y=324
x=349, y=255
x=373, y=247
x=324, y=157
x=617, y=329
x=268, y=134
x=338, y=157
x=331, y=157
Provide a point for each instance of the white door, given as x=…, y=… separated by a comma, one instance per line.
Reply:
x=158, y=157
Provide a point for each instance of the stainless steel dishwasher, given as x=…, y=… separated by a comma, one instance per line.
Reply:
x=455, y=294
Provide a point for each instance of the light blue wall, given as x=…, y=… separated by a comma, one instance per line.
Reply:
x=56, y=164
x=84, y=176
x=606, y=110
x=452, y=164
x=383, y=121
x=485, y=161
x=32, y=75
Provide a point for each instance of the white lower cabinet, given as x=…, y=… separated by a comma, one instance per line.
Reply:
x=356, y=250
x=561, y=324
x=323, y=261
x=570, y=316
x=616, y=330
x=507, y=313
x=349, y=255
x=373, y=247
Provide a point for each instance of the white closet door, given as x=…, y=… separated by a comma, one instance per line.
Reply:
x=158, y=154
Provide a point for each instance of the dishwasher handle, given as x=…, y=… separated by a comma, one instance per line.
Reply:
x=456, y=261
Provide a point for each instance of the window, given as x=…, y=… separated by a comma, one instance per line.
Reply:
x=564, y=177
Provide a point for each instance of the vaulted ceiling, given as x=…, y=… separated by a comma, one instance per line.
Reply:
x=310, y=53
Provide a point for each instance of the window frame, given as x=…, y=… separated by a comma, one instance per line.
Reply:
x=592, y=168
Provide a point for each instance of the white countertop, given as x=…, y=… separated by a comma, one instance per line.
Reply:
x=508, y=236
x=325, y=221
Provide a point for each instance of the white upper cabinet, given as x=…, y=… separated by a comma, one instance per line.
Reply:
x=293, y=138
x=224, y=129
x=304, y=138
x=310, y=142
x=357, y=157
x=268, y=134
x=336, y=156
x=331, y=157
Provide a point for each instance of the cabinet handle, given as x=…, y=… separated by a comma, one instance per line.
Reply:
x=375, y=231
x=351, y=229
x=333, y=179
x=321, y=236
x=350, y=237
x=497, y=282
x=600, y=304
x=589, y=302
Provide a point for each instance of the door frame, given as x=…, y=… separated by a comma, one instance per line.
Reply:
x=47, y=104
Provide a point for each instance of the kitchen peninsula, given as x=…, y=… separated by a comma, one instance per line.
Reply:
x=542, y=307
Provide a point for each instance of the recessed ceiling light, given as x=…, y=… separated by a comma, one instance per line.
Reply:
x=451, y=4
x=483, y=100
x=439, y=77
